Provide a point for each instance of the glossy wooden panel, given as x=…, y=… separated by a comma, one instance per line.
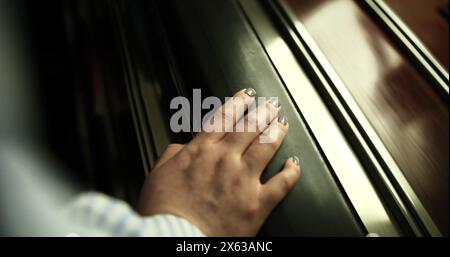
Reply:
x=426, y=21
x=409, y=117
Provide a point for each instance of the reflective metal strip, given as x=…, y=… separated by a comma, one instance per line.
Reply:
x=408, y=40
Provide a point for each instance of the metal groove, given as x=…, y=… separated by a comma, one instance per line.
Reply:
x=147, y=148
x=408, y=41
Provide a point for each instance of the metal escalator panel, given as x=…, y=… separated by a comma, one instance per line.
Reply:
x=211, y=45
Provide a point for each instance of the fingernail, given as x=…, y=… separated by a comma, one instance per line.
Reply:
x=296, y=161
x=275, y=102
x=250, y=92
x=283, y=120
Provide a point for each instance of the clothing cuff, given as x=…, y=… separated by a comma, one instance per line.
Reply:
x=116, y=218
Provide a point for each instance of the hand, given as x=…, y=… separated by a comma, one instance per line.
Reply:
x=214, y=180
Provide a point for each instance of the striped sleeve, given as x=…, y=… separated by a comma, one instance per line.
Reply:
x=113, y=217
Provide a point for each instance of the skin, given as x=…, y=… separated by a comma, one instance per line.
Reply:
x=214, y=180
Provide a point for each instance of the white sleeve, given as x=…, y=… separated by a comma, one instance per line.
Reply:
x=99, y=212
